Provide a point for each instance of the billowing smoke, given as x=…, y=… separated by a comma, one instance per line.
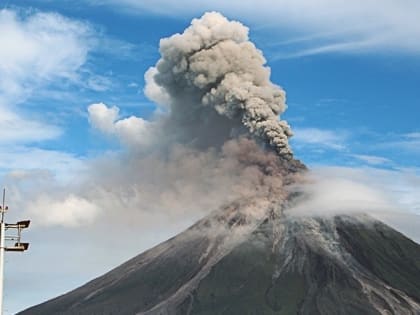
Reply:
x=217, y=138
x=216, y=85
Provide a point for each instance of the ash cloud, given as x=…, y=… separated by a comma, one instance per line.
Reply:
x=216, y=85
x=216, y=138
x=184, y=183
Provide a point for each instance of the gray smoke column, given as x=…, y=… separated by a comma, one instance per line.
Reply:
x=217, y=141
x=216, y=85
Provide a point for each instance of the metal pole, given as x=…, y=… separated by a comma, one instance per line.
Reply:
x=19, y=247
x=2, y=248
x=3, y=209
x=2, y=231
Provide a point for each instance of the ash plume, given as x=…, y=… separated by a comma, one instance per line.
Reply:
x=216, y=140
x=216, y=85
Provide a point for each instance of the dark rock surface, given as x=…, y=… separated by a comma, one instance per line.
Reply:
x=279, y=265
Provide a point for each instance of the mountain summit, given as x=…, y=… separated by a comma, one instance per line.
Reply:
x=229, y=263
x=223, y=116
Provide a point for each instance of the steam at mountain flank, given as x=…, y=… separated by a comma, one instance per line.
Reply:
x=216, y=85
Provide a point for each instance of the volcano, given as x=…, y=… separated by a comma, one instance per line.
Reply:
x=253, y=255
x=229, y=263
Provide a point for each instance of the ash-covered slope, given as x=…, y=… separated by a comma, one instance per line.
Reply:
x=223, y=123
x=228, y=264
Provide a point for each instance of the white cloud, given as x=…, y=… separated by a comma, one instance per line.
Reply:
x=372, y=159
x=319, y=137
x=358, y=26
x=38, y=51
x=37, y=48
x=35, y=179
x=103, y=117
x=18, y=159
x=334, y=194
x=361, y=190
x=131, y=130
x=389, y=196
x=99, y=83
x=133, y=85
x=17, y=129
x=413, y=135
x=72, y=211
x=409, y=143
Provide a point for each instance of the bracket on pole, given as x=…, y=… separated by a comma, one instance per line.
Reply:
x=17, y=247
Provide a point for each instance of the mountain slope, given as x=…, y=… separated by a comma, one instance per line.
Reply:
x=228, y=264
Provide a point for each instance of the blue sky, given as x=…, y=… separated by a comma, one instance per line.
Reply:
x=351, y=72
x=365, y=96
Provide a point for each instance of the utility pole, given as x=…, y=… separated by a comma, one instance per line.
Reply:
x=18, y=247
